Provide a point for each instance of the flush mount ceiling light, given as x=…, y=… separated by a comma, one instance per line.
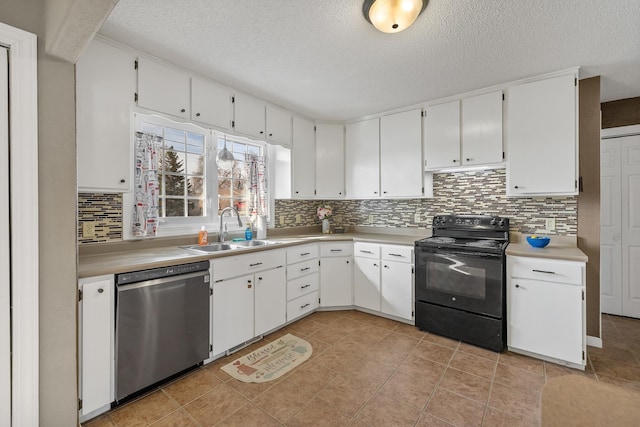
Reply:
x=392, y=16
x=225, y=159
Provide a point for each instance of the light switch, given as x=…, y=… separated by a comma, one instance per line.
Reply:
x=372, y=218
x=281, y=219
x=550, y=224
x=416, y=218
x=298, y=218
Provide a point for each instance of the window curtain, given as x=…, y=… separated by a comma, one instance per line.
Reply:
x=258, y=193
x=146, y=210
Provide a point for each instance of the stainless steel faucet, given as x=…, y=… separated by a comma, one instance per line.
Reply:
x=224, y=233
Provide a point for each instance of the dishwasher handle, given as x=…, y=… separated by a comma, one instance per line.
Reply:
x=163, y=280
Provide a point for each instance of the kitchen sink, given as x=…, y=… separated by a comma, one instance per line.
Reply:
x=211, y=247
x=250, y=243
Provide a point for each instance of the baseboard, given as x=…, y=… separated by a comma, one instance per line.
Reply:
x=594, y=341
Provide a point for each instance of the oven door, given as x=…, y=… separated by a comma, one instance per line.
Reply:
x=469, y=281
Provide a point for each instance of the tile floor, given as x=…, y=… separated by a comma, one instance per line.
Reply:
x=370, y=371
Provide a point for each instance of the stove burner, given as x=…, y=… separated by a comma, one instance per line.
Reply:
x=445, y=240
x=483, y=244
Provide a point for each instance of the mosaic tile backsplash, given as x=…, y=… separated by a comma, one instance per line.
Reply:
x=477, y=192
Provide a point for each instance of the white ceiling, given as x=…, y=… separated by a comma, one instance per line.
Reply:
x=321, y=58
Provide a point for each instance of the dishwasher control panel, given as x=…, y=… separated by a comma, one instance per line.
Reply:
x=156, y=273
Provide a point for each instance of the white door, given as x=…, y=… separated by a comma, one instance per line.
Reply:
x=610, y=227
x=335, y=282
x=304, y=159
x=232, y=313
x=5, y=283
x=362, y=158
x=270, y=300
x=366, y=283
x=329, y=161
x=620, y=226
x=397, y=289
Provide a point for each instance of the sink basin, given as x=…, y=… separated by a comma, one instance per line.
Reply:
x=211, y=247
x=250, y=243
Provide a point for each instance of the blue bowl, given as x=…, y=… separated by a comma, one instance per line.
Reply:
x=538, y=242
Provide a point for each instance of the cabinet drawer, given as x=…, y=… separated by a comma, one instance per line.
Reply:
x=302, y=286
x=366, y=250
x=302, y=305
x=397, y=253
x=233, y=266
x=336, y=249
x=302, y=253
x=302, y=268
x=546, y=270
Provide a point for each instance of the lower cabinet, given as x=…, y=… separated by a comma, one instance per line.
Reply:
x=303, y=280
x=366, y=275
x=336, y=274
x=96, y=338
x=270, y=298
x=396, y=289
x=546, y=309
x=233, y=315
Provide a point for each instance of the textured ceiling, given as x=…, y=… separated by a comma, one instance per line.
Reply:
x=321, y=58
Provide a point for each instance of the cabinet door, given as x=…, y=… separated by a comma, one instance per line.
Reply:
x=401, y=154
x=270, y=300
x=546, y=318
x=329, y=161
x=366, y=283
x=335, y=282
x=541, y=137
x=233, y=313
x=362, y=159
x=442, y=135
x=397, y=289
x=304, y=159
x=482, y=129
x=163, y=88
x=96, y=338
x=249, y=115
x=105, y=84
x=211, y=103
x=278, y=125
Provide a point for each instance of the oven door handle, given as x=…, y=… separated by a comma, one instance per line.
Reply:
x=466, y=254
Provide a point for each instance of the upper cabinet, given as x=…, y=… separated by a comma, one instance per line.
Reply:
x=105, y=86
x=303, y=159
x=211, y=103
x=401, y=172
x=542, y=144
x=465, y=132
x=329, y=161
x=163, y=88
x=362, y=159
x=249, y=116
x=278, y=125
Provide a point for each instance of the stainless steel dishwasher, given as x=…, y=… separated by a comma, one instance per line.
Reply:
x=162, y=324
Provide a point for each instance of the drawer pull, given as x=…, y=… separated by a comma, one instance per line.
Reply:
x=255, y=264
x=336, y=250
x=395, y=255
x=385, y=266
x=366, y=252
x=305, y=253
x=305, y=306
x=304, y=286
x=305, y=269
x=375, y=265
x=544, y=271
x=100, y=290
x=517, y=286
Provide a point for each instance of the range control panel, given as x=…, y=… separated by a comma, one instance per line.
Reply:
x=470, y=222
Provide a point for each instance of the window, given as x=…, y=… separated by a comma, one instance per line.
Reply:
x=234, y=184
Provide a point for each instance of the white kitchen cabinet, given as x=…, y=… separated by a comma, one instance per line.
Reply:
x=465, y=132
x=163, y=88
x=303, y=280
x=278, y=124
x=362, y=159
x=96, y=341
x=304, y=159
x=396, y=281
x=546, y=309
x=270, y=299
x=105, y=86
x=211, y=103
x=233, y=312
x=442, y=135
x=249, y=115
x=336, y=274
x=366, y=276
x=401, y=154
x=542, y=145
x=329, y=161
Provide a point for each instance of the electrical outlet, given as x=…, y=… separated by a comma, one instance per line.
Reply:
x=281, y=219
x=371, y=219
x=416, y=218
x=88, y=229
x=550, y=224
x=298, y=218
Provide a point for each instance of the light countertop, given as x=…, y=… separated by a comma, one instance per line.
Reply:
x=560, y=247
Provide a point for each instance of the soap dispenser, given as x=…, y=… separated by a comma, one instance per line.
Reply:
x=248, y=235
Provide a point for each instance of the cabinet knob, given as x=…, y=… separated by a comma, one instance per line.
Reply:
x=375, y=192
x=340, y=193
x=375, y=265
x=517, y=286
x=455, y=161
x=100, y=290
x=183, y=110
x=468, y=160
x=384, y=192
x=297, y=192
x=515, y=186
x=347, y=262
x=259, y=278
x=270, y=134
x=261, y=132
x=122, y=181
x=197, y=114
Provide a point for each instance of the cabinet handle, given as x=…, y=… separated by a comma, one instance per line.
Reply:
x=385, y=266
x=197, y=114
x=516, y=187
x=270, y=134
x=248, y=284
x=395, y=255
x=304, y=286
x=183, y=110
x=261, y=132
x=255, y=264
x=259, y=278
x=305, y=254
x=336, y=250
x=375, y=192
x=305, y=269
x=305, y=306
x=517, y=286
x=122, y=181
x=340, y=193
x=384, y=192
x=455, y=161
x=297, y=192
x=100, y=290
x=375, y=265
x=468, y=159
x=544, y=271
x=347, y=262
x=366, y=252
